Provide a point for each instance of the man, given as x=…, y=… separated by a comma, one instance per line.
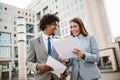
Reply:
x=40, y=48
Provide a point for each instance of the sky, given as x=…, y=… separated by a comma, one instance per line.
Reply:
x=113, y=14
x=17, y=3
x=112, y=8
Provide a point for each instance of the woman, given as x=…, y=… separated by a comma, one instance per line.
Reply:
x=84, y=66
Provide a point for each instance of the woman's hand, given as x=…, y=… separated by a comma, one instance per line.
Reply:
x=78, y=52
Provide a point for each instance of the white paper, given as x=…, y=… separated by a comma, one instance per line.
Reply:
x=65, y=46
x=57, y=66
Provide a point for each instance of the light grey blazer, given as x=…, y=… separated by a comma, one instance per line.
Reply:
x=37, y=54
x=86, y=68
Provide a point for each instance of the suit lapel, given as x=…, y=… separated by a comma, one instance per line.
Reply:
x=40, y=39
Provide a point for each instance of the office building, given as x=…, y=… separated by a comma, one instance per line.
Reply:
x=92, y=12
x=8, y=37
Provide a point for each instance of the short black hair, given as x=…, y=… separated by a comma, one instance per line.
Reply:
x=47, y=19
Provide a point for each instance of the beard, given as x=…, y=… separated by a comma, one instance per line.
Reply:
x=53, y=33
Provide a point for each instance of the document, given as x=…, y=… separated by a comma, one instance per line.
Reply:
x=65, y=46
x=57, y=66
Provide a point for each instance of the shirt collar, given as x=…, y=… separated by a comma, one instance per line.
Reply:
x=80, y=36
x=45, y=36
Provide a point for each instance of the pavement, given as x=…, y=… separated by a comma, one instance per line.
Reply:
x=107, y=76
x=110, y=76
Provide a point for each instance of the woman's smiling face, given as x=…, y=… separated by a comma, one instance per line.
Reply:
x=74, y=28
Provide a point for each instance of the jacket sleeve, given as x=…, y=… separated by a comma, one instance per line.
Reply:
x=93, y=56
x=31, y=57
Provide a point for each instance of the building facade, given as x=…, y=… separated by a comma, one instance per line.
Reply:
x=92, y=13
x=8, y=38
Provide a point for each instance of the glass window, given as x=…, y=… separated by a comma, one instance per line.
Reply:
x=38, y=16
x=80, y=0
x=0, y=8
x=33, y=16
x=39, y=29
x=5, y=14
x=71, y=4
x=18, y=12
x=15, y=42
x=16, y=52
x=28, y=38
x=55, y=0
x=26, y=14
x=29, y=15
x=0, y=27
x=76, y=2
x=81, y=7
x=83, y=15
x=0, y=20
x=5, y=38
x=67, y=6
x=14, y=22
x=0, y=67
x=58, y=31
x=29, y=28
x=26, y=19
x=45, y=10
x=4, y=65
x=14, y=28
x=33, y=21
x=30, y=20
x=63, y=33
x=105, y=63
x=5, y=51
x=0, y=13
x=56, y=13
x=5, y=75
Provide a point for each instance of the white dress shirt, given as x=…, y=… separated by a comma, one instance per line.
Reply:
x=45, y=39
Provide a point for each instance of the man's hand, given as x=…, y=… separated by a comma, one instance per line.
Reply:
x=44, y=67
x=63, y=76
x=64, y=60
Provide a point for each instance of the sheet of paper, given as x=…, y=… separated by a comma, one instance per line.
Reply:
x=57, y=66
x=65, y=46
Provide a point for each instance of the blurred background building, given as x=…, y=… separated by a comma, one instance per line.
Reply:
x=8, y=38
x=92, y=12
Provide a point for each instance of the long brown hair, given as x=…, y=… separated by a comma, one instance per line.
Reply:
x=81, y=25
